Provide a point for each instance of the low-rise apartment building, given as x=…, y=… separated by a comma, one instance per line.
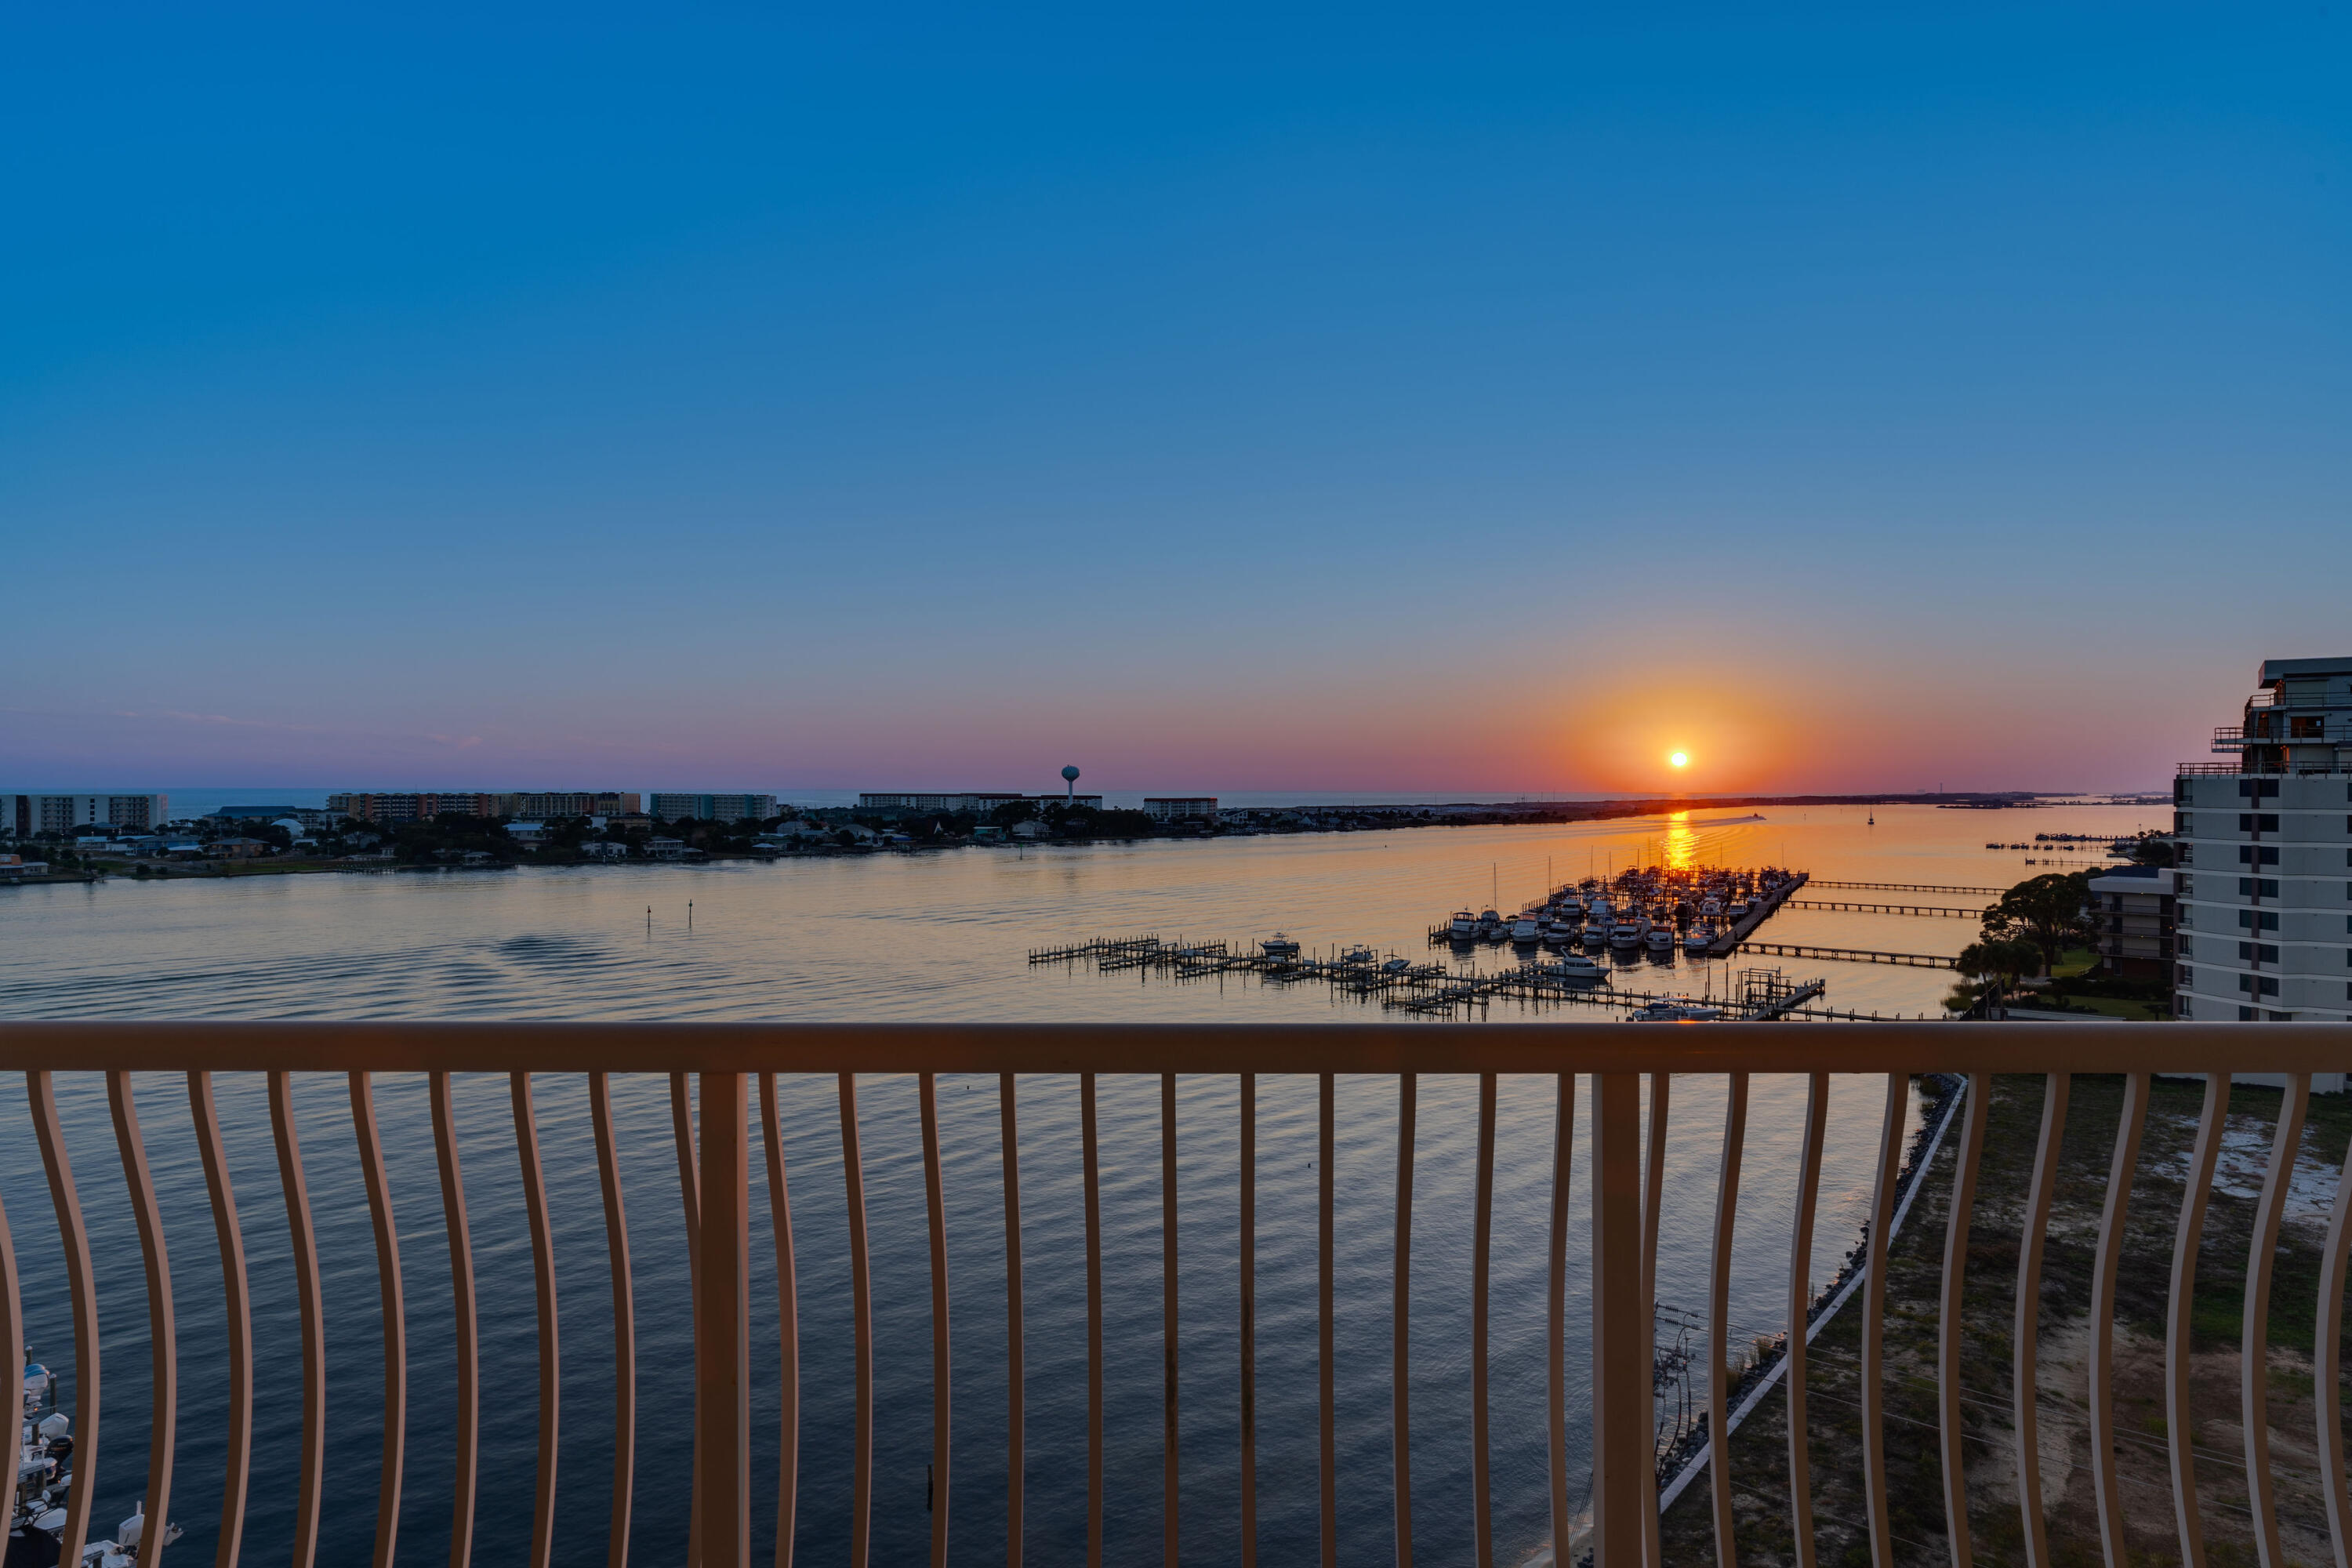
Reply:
x=1180, y=807
x=425, y=806
x=2132, y=914
x=2263, y=855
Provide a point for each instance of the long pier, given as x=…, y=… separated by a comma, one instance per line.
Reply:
x=1911, y=888
x=1763, y=910
x=1852, y=955
x=1885, y=908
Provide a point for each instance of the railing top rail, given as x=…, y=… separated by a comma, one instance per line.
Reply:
x=1506, y=1047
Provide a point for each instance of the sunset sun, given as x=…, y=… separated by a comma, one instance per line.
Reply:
x=1680, y=759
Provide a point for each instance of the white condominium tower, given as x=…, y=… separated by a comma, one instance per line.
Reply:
x=2265, y=855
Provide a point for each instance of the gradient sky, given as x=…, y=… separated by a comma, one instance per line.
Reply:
x=1246, y=398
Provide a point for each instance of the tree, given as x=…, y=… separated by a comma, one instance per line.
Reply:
x=2002, y=961
x=2049, y=911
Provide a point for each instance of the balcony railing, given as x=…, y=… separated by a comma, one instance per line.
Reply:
x=737, y=1123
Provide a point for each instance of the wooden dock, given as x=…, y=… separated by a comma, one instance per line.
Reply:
x=1852, y=955
x=1912, y=888
x=1437, y=989
x=1729, y=943
x=1885, y=908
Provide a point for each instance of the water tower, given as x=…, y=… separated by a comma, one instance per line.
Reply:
x=1070, y=783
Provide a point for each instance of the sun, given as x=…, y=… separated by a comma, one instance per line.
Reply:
x=1680, y=759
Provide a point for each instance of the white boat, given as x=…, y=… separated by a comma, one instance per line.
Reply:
x=1673, y=1010
x=1627, y=933
x=1575, y=968
x=1712, y=908
x=1396, y=966
x=1739, y=910
x=1464, y=927
x=1595, y=934
x=1524, y=929
x=1698, y=940
x=37, y=1520
x=1279, y=945
x=1661, y=939
x=1358, y=955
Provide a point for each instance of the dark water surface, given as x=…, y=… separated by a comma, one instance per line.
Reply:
x=935, y=937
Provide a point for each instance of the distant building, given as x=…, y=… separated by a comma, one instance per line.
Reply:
x=527, y=832
x=425, y=806
x=604, y=849
x=392, y=809
x=1180, y=807
x=970, y=803
x=23, y=815
x=715, y=807
x=13, y=868
x=2263, y=851
x=2132, y=916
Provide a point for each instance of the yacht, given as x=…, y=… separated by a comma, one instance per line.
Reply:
x=1525, y=929
x=1465, y=926
x=1596, y=934
x=1660, y=939
x=1739, y=910
x=1575, y=968
x=1699, y=938
x=1358, y=955
x=1673, y=1010
x=1628, y=932
x=1279, y=945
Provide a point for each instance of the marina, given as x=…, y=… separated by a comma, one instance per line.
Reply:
x=1437, y=989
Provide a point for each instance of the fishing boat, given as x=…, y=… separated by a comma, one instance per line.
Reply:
x=1358, y=955
x=1279, y=945
x=1464, y=927
x=1574, y=968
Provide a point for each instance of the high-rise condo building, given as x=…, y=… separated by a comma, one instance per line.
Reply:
x=715, y=807
x=2263, y=851
x=537, y=805
x=23, y=815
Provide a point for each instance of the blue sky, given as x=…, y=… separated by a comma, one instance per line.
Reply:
x=1242, y=398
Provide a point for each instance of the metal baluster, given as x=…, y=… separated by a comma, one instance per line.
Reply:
x=1653, y=1189
x=2255, y=1350
x=2026, y=1413
x=162, y=1340
x=1483, y=1226
x=861, y=1294
x=2187, y=1241
x=1401, y=1312
x=542, y=1268
x=1094, y=1325
x=1950, y=1329
x=1015, y=1462
x=1249, y=1319
x=1170, y=1453
x=788, y=1320
x=723, y=1393
x=2112, y=1213
x=466, y=1415
x=1563, y=1133
x=935, y=1200
x=1330, y=1452
x=1874, y=1318
x=42, y=1092
x=1718, y=1337
x=1625, y=1443
x=689, y=1193
x=2327, y=1368
x=625, y=1323
x=388, y=1307
x=1800, y=1302
x=314, y=1331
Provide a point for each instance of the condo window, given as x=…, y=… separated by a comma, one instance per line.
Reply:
x=2258, y=822
x=2256, y=788
x=2258, y=919
x=2258, y=984
x=2257, y=855
x=2257, y=952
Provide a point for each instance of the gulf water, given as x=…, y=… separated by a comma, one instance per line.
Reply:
x=943, y=937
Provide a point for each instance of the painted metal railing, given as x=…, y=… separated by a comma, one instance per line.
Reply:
x=715, y=1151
